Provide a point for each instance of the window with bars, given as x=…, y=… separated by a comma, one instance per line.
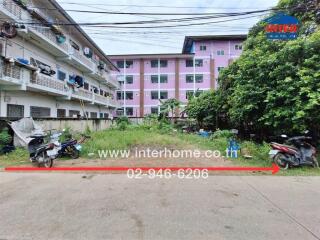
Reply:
x=93, y=115
x=61, y=113
x=38, y=112
x=15, y=111
x=74, y=113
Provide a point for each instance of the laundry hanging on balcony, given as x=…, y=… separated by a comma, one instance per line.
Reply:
x=76, y=81
x=88, y=52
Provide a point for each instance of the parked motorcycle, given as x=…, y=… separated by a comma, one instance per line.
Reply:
x=43, y=154
x=297, y=151
x=72, y=147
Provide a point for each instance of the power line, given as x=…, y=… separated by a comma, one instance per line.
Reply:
x=148, y=6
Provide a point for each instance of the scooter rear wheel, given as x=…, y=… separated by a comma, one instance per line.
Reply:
x=281, y=160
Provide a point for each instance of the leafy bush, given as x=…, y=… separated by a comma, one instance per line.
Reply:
x=122, y=123
x=66, y=135
x=5, y=137
x=222, y=134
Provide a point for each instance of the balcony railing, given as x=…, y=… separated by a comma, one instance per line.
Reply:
x=83, y=59
x=101, y=99
x=47, y=33
x=83, y=93
x=113, y=81
x=12, y=71
x=12, y=7
x=48, y=82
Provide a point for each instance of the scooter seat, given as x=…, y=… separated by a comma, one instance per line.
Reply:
x=284, y=145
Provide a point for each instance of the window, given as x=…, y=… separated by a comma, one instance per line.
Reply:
x=220, y=52
x=189, y=78
x=106, y=115
x=199, y=78
x=86, y=86
x=74, y=113
x=163, y=63
x=199, y=63
x=154, y=78
x=203, y=48
x=15, y=111
x=61, y=113
x=62, y=75
x=163, y=78
x=220, y=68
x=101, y=115
x=129, y=95
x=154, y=95
x=94, y=89
x=129, y=64
x=191, y=93
x=238, y=47
x=154, y=110
x=129, y=79
x=119, y=111
x=154, y=63
x=120, y=96
x=101, y=92
x=189, y=63
x=129, y=111
x=163, y=95
x=120, y=64
x=93, y=115
x=39, y=112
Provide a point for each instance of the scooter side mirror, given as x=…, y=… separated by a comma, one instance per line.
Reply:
x=284, y=136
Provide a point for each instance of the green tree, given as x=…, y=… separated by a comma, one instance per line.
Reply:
x=274, y=85
x=171, y=105
x=203, y=109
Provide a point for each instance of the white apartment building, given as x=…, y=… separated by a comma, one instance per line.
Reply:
x=49, y=69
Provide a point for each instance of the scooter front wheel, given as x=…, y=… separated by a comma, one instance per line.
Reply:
x=281, y=160
x=315, y=162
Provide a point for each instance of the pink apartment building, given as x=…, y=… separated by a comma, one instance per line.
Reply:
x=146, y=78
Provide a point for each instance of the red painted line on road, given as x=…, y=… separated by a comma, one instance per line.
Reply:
x=274, y=169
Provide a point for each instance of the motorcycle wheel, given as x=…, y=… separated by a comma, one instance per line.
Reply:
x=280, y=160
x=47, y=161
x=315, y=162
x=74, y=153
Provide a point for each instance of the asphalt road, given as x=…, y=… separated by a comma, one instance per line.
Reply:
x=68, y=206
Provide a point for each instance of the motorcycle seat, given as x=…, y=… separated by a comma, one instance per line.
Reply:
x=284, y=145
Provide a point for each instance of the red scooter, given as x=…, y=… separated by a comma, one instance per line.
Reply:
x=296, y=151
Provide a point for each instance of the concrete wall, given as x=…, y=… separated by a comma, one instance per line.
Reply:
x=76, y=125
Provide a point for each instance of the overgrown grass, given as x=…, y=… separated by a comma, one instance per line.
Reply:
x=133, y=136
x=18, y=157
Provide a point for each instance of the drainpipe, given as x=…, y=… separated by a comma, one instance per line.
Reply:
x=159, y=109
x=194, y=74
x=124, y=88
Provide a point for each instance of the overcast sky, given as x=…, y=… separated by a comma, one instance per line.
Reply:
x=159, y=40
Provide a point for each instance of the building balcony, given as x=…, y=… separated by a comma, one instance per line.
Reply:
x=9, y=9
x=113, y=82
x=83, y=94
x=10, y=74
x=100, y=75
x=46, y=39
x=81, y=62
x=46, y=84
